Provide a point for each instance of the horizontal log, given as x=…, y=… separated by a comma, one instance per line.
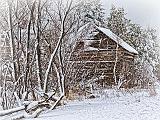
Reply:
x=10, y=111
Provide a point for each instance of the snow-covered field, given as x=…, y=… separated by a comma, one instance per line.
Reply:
x=111, y=106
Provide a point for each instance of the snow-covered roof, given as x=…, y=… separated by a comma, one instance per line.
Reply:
x=117, y=40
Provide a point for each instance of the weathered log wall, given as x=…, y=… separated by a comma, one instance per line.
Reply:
x=97, y=62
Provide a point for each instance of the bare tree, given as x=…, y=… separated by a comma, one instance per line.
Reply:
x=35, y=29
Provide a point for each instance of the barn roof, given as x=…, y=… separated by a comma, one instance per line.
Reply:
x=117, y=39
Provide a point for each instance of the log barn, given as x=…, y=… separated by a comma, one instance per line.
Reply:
x=100, y=58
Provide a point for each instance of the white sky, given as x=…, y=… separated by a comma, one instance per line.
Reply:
x=143, y=12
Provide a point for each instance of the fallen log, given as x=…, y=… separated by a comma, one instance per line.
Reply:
x=13, y=110
x=34, y=108
x=26, y=115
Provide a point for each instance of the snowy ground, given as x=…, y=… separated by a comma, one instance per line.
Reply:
x=112, y=106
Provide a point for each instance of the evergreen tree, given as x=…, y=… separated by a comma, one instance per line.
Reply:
x=143, y=40
x=91, y=11
x=117, y=22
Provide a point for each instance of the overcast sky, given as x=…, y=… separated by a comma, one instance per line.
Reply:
x=143, y=12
